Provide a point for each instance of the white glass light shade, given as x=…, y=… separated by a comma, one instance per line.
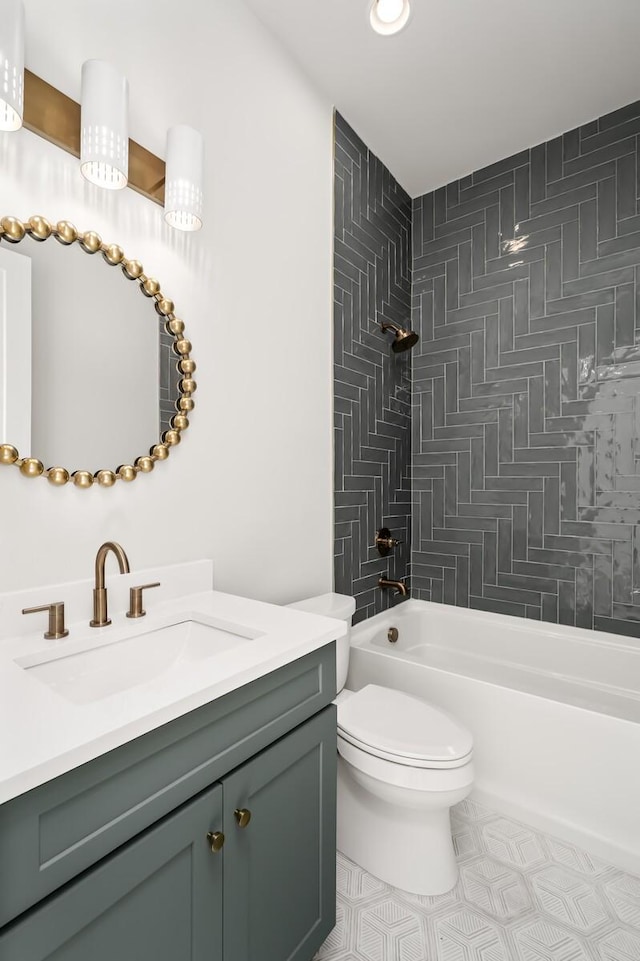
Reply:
x=11, y=64
x=104, y=125
x=389, y=16
x=183, y=189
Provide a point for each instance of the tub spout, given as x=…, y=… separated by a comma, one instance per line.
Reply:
x=399, y=587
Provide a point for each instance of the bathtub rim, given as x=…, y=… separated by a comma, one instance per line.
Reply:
x=519, y=624
x=363, y=632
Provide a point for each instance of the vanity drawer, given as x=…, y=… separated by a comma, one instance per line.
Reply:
x=54, y=832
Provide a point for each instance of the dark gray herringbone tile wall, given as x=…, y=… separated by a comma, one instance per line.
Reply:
x=168, y=379
x=526, y=478
x=372, y=386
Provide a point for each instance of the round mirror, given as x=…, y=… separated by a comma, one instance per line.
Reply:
x=91, y=375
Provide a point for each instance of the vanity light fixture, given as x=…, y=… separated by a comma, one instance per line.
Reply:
x=12, y=65
x=104, y=135
x=389, y=16
x=183, y=189
x=96, y=132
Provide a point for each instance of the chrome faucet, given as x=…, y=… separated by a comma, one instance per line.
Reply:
x=399, y=587
x=100, y=617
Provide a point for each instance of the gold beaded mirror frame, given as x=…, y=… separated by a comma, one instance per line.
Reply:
x=14, y=231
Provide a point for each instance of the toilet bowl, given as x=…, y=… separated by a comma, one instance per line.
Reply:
x=402, y=764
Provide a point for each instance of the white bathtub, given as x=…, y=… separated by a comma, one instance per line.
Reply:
x=554, y=712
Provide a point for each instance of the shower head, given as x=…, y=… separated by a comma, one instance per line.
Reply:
x=403, y=340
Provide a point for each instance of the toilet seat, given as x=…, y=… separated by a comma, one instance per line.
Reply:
x=428, y=780
x=402, y=729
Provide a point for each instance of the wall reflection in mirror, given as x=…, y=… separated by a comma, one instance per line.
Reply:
x=89, y=378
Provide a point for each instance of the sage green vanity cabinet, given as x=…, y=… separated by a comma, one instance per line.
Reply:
x=161, y=893
x=159, y=898
x=279, y=871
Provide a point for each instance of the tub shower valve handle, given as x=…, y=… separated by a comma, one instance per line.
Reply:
x=385, y=542
x=56, y=619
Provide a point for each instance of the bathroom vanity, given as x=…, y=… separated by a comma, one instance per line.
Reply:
x=210, y=836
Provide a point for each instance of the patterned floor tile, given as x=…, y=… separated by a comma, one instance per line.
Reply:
x=569, y=898
x=496, y=889
x=466, y=936
x=472, y=811
x=433, y=903
x=354, y=883
x=514, y=843
x=623, y=893
x=542, y=941
x=340, y=938
x=569, y=856
x=570, y=907
x=390, y=929
x=619, y=946
x=466, y=838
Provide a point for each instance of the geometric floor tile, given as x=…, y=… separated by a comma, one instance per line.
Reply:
x=354, y=883
x=572, y=857
x=521, y=896
x=623, y=892
x=569, y=898
x=513, y=843
x=389, y=929
x=472, y=811
x=338, y=940
x=496, y=889
x=619, y=946
x=466, y=840
x=542, y=941
x=465, y=936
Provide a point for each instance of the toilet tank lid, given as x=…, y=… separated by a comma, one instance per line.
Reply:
x=340, y=606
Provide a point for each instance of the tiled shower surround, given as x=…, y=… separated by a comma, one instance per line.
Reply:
x=168, y=379
x=526, y=434
x=372, y=386
x=525, y=430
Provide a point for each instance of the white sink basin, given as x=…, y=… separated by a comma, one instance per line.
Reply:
x=87, y=670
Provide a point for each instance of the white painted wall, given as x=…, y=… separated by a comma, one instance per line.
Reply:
x=250, y=486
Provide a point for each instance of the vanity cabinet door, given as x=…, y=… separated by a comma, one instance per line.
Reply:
x=158, y=898
x=279, y=902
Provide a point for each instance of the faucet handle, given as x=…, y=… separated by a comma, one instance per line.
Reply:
x=56, y=619
x=385, y=542
x=135, y=599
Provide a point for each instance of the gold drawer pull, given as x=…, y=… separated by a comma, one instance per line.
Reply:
x=216, y=840
x=242, y=816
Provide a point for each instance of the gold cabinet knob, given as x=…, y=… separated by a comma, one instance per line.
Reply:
x=216, y=840
x=242, y=816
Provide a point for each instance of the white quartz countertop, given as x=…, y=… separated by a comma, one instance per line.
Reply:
x=44, y=734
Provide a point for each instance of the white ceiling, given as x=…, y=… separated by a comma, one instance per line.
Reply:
x=467, y=82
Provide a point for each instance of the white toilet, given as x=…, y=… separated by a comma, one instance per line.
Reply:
x=402, y=764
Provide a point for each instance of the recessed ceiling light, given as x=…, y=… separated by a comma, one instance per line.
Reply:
x=389, y=16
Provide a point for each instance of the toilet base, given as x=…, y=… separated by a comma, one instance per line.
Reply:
x=402, y=838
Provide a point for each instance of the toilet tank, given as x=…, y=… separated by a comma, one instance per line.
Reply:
x=342, y=607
